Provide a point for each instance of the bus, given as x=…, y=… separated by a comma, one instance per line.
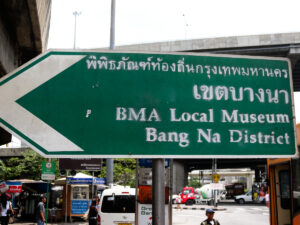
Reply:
x=284, y=189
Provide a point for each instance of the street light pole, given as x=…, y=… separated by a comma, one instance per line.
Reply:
x=110, y=162
x=75, y=13
x=112, y=25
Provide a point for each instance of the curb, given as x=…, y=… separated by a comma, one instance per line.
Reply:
x=200, y=208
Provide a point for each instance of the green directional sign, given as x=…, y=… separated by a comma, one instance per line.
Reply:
x=116, y=104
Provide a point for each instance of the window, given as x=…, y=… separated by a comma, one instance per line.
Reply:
x=296, y=186
x=80, y=193
x=284, y=182
x=118, y=204
x=186, y=192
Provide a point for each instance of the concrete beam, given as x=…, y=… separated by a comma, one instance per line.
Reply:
x=8, y=53
x=217, y=43
x=180, y=176
x=13, y=152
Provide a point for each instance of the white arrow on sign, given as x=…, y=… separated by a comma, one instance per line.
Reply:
x=24, y=121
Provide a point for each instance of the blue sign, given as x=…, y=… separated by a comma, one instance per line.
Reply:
x=80, y=206
x=13, y=183
x=97, y=181
x=148, y=162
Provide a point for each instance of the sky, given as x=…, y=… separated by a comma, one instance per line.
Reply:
x=144, y=21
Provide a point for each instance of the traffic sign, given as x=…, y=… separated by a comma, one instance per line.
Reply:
x=80, y=164
x=48, y=170
x=151, y=105
x=216, y=177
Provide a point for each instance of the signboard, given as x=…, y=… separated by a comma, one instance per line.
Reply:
x=145, y=176
x=97, y=181
x=217, y=186
x=80, y=164
x=151, y=105
x=145, y=214
x=14, y=187
x=216, y=177
x=48, y=170
x=79, y=207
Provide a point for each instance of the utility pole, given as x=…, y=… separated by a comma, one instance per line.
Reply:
x=75, y=13
x=110, y=162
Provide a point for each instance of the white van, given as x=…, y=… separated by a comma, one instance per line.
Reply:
x=117, y=206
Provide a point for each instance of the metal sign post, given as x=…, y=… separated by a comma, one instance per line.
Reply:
x=158, y=191
x=66, y=199
x=93, y=185
x=47, y=204
x=214, y=172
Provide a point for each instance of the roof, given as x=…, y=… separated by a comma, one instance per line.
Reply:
x=119, y=190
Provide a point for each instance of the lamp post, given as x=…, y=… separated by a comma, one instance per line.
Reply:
x=75, y=13
x=110, y=161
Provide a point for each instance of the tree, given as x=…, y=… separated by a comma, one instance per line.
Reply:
x=28, y=167
x=194, y=182
x=124, y=172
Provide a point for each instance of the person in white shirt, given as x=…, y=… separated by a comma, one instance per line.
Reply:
x=267, y=199
x=5, y=209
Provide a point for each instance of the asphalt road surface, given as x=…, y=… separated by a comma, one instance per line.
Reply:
x=233, y=215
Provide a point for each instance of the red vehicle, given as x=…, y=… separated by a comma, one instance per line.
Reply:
x=188, y=196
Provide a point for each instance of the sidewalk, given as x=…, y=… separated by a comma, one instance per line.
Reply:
x=62, y=223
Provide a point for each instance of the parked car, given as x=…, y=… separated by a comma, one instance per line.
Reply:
x=117, y=206
x=188, y=196
x=242, y=199
x=247, y=197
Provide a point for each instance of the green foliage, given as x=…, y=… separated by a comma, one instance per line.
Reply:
x=124, y=172
x=194, y=182
x=28, y=167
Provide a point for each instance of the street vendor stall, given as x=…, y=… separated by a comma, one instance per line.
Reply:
x=81, y=189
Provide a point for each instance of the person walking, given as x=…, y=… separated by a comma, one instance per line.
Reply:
x=210, y=218
x=93, y=213
x=41, y=212
x=6, y=210
x=267, y=199
x=97, y=203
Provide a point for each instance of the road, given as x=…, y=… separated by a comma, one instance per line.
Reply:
x=233, y=215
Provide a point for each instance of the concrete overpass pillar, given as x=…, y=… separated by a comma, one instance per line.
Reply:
x=180, y=176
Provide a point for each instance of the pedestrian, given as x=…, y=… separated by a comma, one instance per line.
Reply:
x=267, y=199
x=210, y=218
x=97, y=202
x=93, y=213
x=6, y=210
x=40, y=211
